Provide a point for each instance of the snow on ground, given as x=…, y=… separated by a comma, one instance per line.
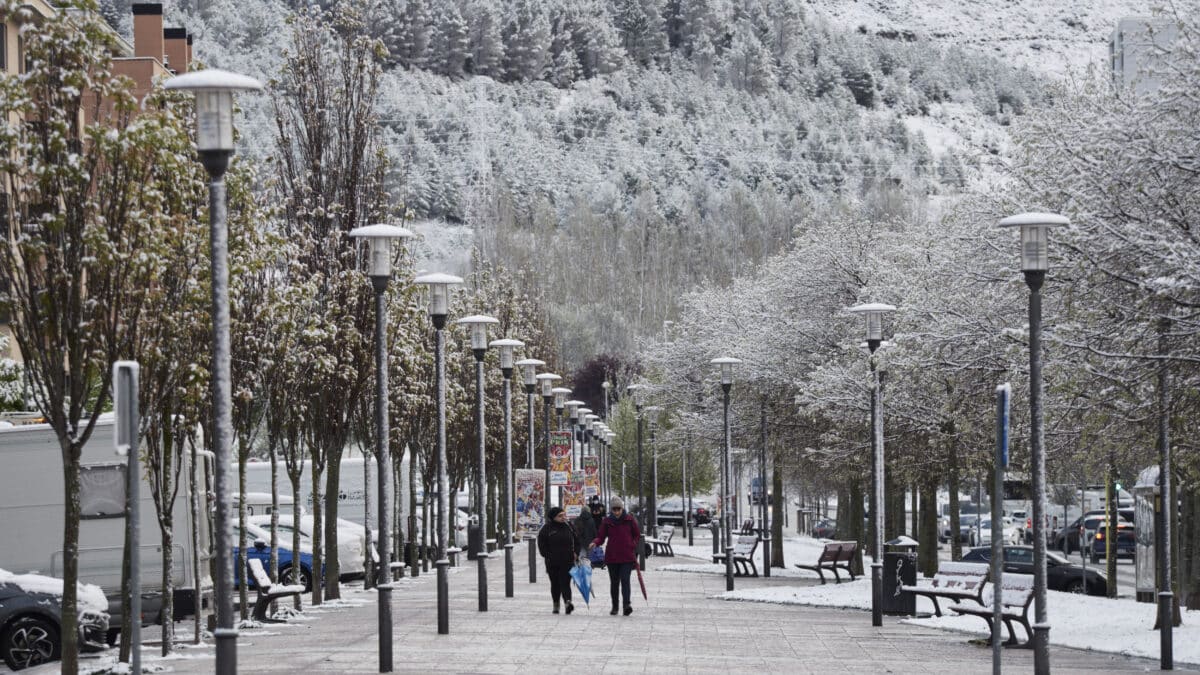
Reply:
x=1083, y=622
x=1049, y=37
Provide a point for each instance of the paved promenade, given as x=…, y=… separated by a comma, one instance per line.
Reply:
x=680, y=630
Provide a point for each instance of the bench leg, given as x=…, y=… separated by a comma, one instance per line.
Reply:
x=937, y=609
x=836, y=576
x=822, y=575
x=753, y=567
x=261, y=604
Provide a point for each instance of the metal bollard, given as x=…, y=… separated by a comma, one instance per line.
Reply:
x=716, y=536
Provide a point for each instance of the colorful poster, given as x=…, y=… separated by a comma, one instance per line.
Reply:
x=591, y=477
x=530, y=502
x=573, y=495
x=560, y=457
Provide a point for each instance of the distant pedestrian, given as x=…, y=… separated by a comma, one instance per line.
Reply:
x=621, y=532
x=585, y=529
x=559, y=545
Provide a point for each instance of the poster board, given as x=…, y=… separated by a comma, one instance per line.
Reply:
x=573, y=495
x=529, y=502
x=591, y=477
x=560, y=457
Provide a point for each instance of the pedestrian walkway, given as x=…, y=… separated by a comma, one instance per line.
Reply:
x=680, y=630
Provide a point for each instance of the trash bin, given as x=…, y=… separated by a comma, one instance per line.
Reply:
x=899, y=569
x=474, y=538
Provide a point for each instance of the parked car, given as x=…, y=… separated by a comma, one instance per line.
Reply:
x=825, y=529
x=31, y=619
x=1083, y=526
x=702, y=512
x=1061, y=574
x=1126, y=542
x=257, y=543
x=966, y=529
x=670, y=511
x=351, y=540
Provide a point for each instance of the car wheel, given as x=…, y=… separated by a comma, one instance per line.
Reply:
x=29, y=641
x=303, y=578
x=1076, y=586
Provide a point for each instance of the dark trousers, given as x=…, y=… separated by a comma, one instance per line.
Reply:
x=619, y=572
x=560, y=582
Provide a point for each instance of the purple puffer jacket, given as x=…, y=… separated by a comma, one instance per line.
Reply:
x=622, y=534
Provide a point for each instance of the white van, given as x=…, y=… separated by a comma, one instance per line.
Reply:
x=32, y=512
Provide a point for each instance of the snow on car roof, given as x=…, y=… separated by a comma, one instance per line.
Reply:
x=90, y=596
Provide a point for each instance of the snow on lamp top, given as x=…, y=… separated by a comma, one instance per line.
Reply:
x=214, y=91
x=529, y=370
x=507, y=346
x=874, y=312
x=573, y=408
x=638, y=391
x=1035, y=237
x=547, y=381
x=726, y=363
x=379, y=240
x=478, y=323
x=439, y=291
x=560, y=396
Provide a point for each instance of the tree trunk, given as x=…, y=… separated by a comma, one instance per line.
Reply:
x=194, y=503
x=168, y=585
x=777, y=507
x=318, y=509
x=70, y=607
x=916, y=510
x=955, y=542
x=242, y=543
x=1190, y=574
x=927, y=559
x=856, y=530
x=333, y=478
x=1110, y=543
x=124, y=650
x=295, y=481
x=369, y=575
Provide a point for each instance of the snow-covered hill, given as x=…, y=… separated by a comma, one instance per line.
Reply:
x=1051, y=36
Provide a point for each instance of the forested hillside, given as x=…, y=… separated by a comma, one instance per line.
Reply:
x=630, y=149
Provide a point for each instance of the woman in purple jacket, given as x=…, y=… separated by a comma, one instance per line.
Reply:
x=622, y=533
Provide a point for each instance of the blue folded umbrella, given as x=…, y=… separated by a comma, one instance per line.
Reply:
x=596, y=555
x=581, y=573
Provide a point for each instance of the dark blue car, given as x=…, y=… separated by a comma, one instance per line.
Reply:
x=258, y=547
x=1126, y=542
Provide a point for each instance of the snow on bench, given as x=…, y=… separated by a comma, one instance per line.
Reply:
x=268, y=591
x=953, y=581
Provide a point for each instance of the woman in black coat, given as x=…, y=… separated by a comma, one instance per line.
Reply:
x=560, y=547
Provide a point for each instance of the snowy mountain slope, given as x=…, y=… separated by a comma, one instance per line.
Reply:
x=1056, y=37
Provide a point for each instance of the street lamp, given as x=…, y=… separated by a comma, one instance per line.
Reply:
x=1035, y=261
x=560, y=402
x=638, y=393
x=726, y=364
x=585, y=417
x=874, y=315
x=574, y=420
x=529, y=377
x=610, y=438
x=214, y=90
x=439, y=307
x=763, y=502
x=379, y=267
x=507, y=346
x=478, y=324
x=546, y=382
x=653, y=505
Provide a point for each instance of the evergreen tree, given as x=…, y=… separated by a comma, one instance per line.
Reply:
x=449, y=42
x=414, y=35
x=485, y=43
x=641, y=25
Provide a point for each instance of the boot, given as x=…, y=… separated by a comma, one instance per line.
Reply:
x=628, y=610
x=570, y=607
x=556, y=606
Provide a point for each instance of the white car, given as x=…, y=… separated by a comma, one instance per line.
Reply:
x=351, y=539
x=1012, y=533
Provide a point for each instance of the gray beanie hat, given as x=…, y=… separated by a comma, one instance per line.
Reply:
x=616, y=503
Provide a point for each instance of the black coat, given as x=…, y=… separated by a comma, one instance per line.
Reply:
x=557, y=543
x=585, y=528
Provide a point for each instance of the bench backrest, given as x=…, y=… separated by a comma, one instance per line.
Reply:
x=960, y=576
x=831, y=553
x=746, y=544
x=260, y=574
x=849, y=549
x=1018, y=589
x=665, y=532
x=748, y=525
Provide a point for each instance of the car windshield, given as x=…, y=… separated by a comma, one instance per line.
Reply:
x=1056, y=557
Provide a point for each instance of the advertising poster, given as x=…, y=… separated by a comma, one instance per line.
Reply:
x=529, y=487
x=573, y=495
x=560, y=457
x=591, y=477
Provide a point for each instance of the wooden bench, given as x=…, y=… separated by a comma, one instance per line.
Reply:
x=268, y=591
x=954, y=581
x=836, y=555
x=743, y=556
x=747, y=526
x=662, y=543
x=1014, y=606
x=393, y=566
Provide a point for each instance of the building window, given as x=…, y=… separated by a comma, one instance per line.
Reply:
x=102, y=491
x=3, y=46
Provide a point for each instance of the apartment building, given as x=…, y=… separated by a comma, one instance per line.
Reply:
x=157, y=51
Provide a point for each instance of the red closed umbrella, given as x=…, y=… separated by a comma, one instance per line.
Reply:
x=641, y=581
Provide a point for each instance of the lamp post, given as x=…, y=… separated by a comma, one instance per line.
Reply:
x=546, y=382
x=529, y=377
x=574, y=423
x=637, y=390
x=439, y=307
x=214, y=90
x=726, y=364
x=874, y=314
x=479, y=343
x=379, y=267
x=585, y=426
x=610, y=438
x=653, y=505
x=762, y=494
x=507, y=346
x=1035, y=261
